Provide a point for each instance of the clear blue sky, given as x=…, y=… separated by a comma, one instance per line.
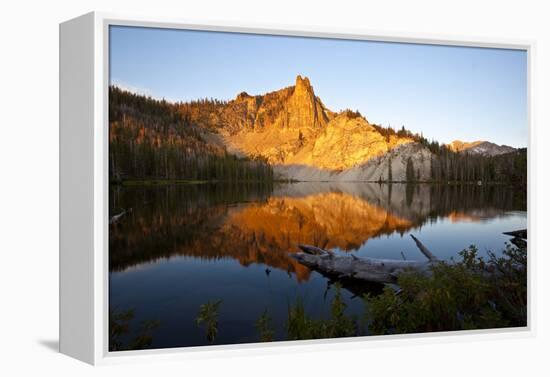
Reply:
x=445, y=92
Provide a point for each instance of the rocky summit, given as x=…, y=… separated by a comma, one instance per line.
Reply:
x=304, y=140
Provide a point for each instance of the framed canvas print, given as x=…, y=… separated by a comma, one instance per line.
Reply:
x=230, y=188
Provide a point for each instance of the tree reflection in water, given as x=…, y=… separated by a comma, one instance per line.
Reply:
x=260, y=224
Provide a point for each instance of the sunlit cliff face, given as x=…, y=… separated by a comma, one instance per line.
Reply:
x=293, y=127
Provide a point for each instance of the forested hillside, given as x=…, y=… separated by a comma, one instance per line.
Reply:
x=151, y=139
x=507, y=168
x=449, y=164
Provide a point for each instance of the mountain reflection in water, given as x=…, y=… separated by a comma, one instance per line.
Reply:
x=262, y=224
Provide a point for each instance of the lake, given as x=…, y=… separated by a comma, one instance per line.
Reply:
x=182, y=246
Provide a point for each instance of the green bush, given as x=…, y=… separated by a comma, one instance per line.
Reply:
x=469, y=294
x=472, y=293
x=264, y=326
x=300, y=326
x=208, y=314
x=119, y=327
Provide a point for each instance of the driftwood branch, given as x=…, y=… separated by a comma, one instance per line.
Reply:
x=424, y=249
x=522, y=233
x=118, y=216
x=314, y=250
x=361, y=268
x=519, y=238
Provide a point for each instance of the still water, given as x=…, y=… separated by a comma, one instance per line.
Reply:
x=181, y=246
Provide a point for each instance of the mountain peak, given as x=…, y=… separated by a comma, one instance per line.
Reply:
x=243, y=95
x=302, y=80
x=303, y=85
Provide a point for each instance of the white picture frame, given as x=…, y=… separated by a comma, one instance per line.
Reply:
x=84, y=81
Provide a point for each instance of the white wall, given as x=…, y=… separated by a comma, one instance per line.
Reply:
x=29, y=184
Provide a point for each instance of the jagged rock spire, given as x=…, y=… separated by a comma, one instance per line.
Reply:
x=303, y=85
x=304, y=109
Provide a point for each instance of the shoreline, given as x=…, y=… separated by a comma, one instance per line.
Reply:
x=166, y=181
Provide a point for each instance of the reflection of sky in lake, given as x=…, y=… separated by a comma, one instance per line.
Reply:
x=445, y=238
x=184, y=246
x=173, y=290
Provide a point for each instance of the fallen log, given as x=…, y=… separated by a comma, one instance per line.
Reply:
x=519, y=238
x=427, y=253
x=361, y=268
x=519, y=242
x=117, y=217
x=522, y=233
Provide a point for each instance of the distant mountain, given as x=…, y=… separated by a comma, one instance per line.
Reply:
x=480, y=147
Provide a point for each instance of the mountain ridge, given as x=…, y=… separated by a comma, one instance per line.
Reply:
x=285, y=134
x=482, y=147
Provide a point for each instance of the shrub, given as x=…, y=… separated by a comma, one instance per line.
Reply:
x=469, y=294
